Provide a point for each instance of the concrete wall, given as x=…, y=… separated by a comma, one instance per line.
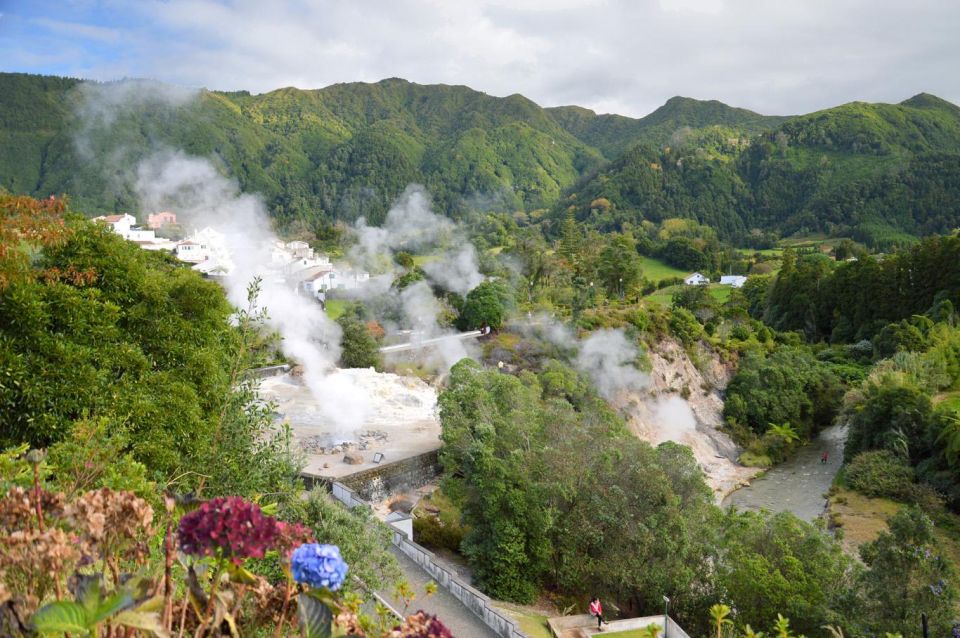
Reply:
x=474, y=600
x=269, y=371
x=377, y=483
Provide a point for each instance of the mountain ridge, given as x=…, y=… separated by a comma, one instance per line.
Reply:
x=347, y=150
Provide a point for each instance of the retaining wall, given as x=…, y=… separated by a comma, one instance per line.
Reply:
x=377, y=483
x=474, y=600
x=269, y=371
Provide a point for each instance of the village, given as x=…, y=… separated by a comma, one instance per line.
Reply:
x=205, y=249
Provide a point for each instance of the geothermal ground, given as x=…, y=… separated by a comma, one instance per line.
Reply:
x=402, y=420
x=661, y=413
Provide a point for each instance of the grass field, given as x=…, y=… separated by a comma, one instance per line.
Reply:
x=656, y=270
x=420, y=260
x=863, y=518
x=632, y=633
x=335, y=308
x=664, y=296
x=531, y=622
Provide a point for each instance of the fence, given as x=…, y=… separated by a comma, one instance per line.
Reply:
x=475, y=601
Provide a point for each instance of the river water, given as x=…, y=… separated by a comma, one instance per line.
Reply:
x=799, y=484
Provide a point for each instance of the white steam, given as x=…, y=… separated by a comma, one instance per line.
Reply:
x=411, y=225
x=203, y=197
x=99, y=106
x=673, y=418
x=608, y=357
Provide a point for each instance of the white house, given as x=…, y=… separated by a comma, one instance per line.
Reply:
x=696, y=279
x=191, y=251
x=120, y=224
x=736, y=281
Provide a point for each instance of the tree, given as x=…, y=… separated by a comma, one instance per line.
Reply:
x=890, y=414
x=619, y=265
x=489, y=303
x=780, y=564
x=907, y=575
x=359, y=347
x=489, y=420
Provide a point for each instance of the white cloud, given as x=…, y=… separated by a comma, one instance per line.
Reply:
x=624, y=56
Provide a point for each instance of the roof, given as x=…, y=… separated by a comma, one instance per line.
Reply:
x=112, y=219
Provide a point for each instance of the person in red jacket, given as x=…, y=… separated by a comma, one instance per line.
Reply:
x=596, y=609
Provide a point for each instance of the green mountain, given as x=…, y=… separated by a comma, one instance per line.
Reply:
x=613, y=134
x=880, y=172
x=336, y=153
x=883, y=173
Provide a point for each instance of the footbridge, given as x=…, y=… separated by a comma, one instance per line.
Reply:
x=417, y=344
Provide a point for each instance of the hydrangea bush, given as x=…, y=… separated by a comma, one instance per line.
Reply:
x=77, y=565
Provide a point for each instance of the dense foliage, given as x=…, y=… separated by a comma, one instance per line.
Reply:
x=881, y=173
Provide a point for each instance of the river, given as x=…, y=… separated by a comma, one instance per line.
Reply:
x=799, y=484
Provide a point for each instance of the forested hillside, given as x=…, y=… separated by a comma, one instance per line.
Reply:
x=881, y=173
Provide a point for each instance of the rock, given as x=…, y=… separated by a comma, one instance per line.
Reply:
x=401, y=505
x=430, y=507
x=353, y=458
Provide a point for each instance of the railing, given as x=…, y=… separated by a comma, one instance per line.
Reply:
x=476, y=601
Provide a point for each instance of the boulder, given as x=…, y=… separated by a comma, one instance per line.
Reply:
x=353, y=458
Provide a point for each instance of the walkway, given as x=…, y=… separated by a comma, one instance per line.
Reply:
x=797, y=485
x=426, y=343
x=460, y=620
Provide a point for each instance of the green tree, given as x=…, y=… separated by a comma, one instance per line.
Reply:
x=907, y=575
x=489, y=303
x=780, y=564
x=359, y=348
x=619, y=265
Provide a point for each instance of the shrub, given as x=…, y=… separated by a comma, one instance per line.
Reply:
x=433, y=533
x=880, y=474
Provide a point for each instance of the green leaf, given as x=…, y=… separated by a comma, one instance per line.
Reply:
x=141, y=620
x=151, y=604
x=315, y=617
x=61, y=617
x=115, y=603
x=240, y=575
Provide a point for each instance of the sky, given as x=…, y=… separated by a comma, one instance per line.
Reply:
x=777, y=57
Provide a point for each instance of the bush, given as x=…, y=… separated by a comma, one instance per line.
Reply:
x=433, y=533
x=880, y=474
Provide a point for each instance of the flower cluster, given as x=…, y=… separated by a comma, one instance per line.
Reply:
x=421, y=625
x=111, y=522
x=290, y=536
x=319, y=566
x=230, y=527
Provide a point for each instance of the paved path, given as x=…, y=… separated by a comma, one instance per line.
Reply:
x=799, y=484
x=460, y=620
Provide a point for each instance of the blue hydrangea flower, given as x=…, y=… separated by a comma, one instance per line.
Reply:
x=318, y=566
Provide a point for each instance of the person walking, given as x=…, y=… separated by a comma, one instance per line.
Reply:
x=596, y=609
x=824, y=457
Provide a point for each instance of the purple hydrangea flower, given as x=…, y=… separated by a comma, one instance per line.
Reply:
x=235, y=527
x=318, y=566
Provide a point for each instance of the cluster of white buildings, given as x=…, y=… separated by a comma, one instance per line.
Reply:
x=698, y=279
x=295, y=262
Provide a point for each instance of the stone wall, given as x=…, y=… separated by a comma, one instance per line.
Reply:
x=378, y=483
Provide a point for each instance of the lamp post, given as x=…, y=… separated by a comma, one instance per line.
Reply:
x=666, y=615
x=621, y=289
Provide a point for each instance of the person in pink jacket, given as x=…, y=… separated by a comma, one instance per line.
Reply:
x=596, y=609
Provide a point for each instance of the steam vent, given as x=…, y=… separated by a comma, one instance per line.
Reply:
x=398, y=420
